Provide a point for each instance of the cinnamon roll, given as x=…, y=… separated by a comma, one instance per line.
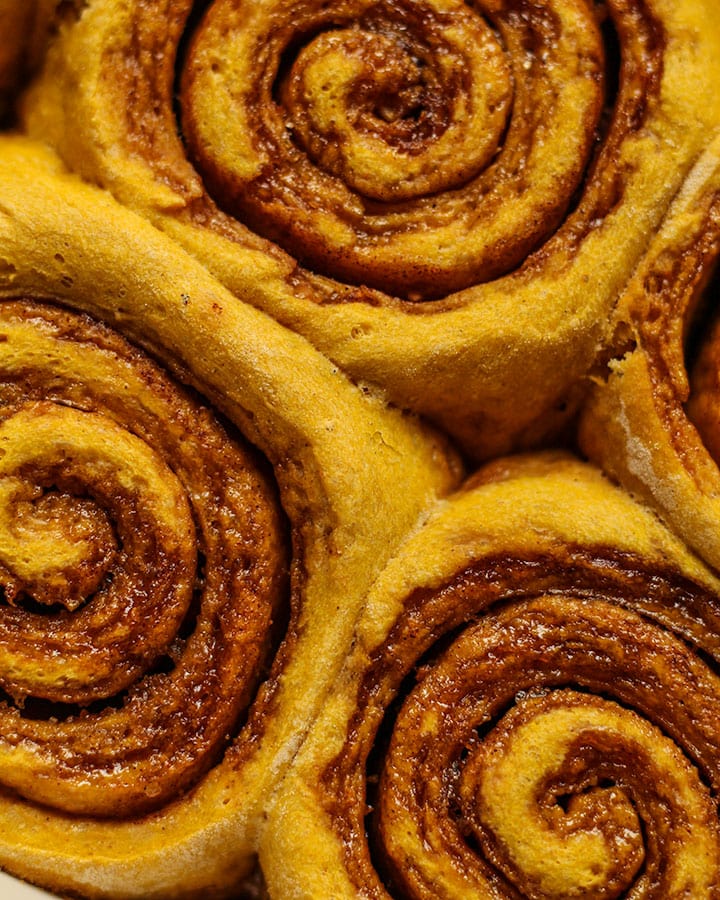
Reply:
x=260, y=634
x=446, y=198
x=646, y=421
x=142, y=563
x=183, y=550
x=530, y=709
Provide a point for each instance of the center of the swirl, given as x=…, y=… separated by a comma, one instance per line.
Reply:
x=581, y=838
x=67, y=548
x=396, y=118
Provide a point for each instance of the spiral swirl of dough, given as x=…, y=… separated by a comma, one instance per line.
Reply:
x=143, y=562
x=184, y=612
x=471, y=126
x=505, y=162
x=530, y=708
x=509, y=761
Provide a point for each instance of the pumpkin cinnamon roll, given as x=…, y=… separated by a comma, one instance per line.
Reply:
x=445, y=197
x=183, y=547
x=648, y=421
x=143, y=564
x=530, y=709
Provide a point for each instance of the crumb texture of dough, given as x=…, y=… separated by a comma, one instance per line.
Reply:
x=359, y=449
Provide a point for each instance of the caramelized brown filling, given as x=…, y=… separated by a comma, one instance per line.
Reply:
x=415, y=148
x=550, y=741
x=409, y=147
x=143, y=563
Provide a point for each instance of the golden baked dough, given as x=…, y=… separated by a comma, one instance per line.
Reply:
x=142, y=558
x=334, y=175
x=635, y=424
x=530, y=709
x=260, y=632
x=147, y=774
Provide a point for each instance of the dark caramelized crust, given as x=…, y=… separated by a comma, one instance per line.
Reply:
x=24, y=25
x=143, y=565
